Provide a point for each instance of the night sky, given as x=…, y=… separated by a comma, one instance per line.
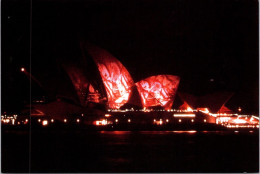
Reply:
x=211, y=44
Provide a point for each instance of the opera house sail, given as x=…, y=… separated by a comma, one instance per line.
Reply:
x=79, y=82
x=115, y=77
x=158, y=90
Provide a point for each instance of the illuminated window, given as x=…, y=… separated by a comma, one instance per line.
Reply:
x=104, y=122
x=44, y=122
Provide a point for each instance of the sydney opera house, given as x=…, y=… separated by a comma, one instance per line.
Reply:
x=97, y=89
x=98, y=78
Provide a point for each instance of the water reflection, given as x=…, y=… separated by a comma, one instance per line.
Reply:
x=116, y=132
x=189, y=132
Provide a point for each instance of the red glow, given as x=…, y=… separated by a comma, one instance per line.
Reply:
x=93, y=95
x=79, y=81
x=205, y=110
x=189, y=132
x=160, y=122
x=116, y=78
x=101, y=122
x=243, y=120
x=158, y=90
x=239, y=121
x=184, y=115
x=185, y=106
x=224, y=109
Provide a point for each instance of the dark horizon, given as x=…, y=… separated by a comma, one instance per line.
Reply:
x=212, y=45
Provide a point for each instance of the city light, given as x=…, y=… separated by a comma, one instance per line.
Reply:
x=23, y=69
x=44, y=122
x=189, y=109
x=78, y=120
x=192, y=132
x=107, y=115
x=52, y=120
x=240, y=121
x=65, y=120
x=160, y=122
x=184, y=115
x=101, y=122
x=204, y=110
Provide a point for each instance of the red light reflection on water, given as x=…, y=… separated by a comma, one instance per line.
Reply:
x=116, y=132
x=189, y=132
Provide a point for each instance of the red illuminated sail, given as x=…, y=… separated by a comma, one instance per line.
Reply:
x=84, y=89
x=185, y=106
x=93, y=95
x=79, y=81
x=158, y=90
x=116, y=78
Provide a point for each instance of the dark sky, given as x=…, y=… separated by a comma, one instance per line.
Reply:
x=211, y=44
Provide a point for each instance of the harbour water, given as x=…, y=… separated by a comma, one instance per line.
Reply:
x=129, y=151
